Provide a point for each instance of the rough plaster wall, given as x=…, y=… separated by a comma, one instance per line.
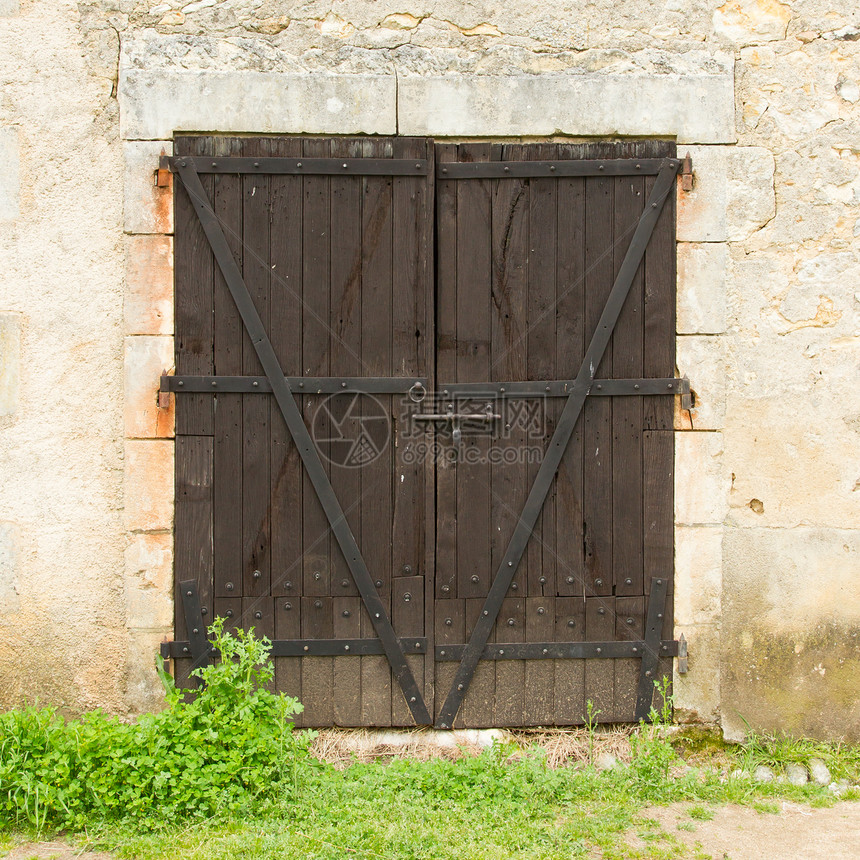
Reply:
x=768, y=482
x=62, y=610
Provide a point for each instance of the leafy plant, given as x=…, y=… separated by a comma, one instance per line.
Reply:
x=227, y=747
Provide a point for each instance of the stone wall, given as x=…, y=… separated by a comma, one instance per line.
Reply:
x=763, y=94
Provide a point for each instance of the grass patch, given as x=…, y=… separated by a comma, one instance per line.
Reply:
x=224, y=775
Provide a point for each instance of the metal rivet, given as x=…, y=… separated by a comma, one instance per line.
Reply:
x=601, y=611
x=214, y=164
x=598, y=582
x=317, y=604
x=180, y=383
x=445, y=393
x=475, y=578
x=298, y=164
x=545, y=651
x=255, y=384
x=317, y=575
x=541, y=610
x=301, y=385
x=570, y=580
x=629, y=620
x=407, y=568
x=444, y=170
x=669, y=385
x=599, y=387
x=571, y=623
x=184, y=650
x=344, y=583
x=257, y=574
x=188, y=594
x=653, y=205
x=407, y=597
x=288, y=606
x=377, y=615
x=628, y=582
x=306, y=648
x=659, y=581
x=638, y=166
x=514, y=586
x=343, y=385
x=552, y=167
x=256, y=164
x=502, y=390
x=195, y=631
x=511, y=622
x=418, y=167
x=229, y=586
x=214, y=383
x=345, y=613
x=460, y=687
x=510, y=564
x=258, y=615
x=599, y=650
x=345, y=165
x=648, y=673
x=636, y=387
x=417, y=644
x=600, y=167
x=665, y=648
x=229, y=613
x=441, y=653
x=635, y=650
x=501, y=651
x=659, y=614
x=379, y=583
x=346, y=647
x=507, y=170
x=288, y=585
x=203, y=610
x=445, y=589
x=412, y=699
x=486, y=612
x=542, y=580
x=547, y=388
x=183, y=164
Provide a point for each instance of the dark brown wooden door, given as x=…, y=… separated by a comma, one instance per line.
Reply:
x=525, y=268
x=369, y=541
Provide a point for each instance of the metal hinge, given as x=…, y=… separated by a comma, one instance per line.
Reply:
x=687, y=173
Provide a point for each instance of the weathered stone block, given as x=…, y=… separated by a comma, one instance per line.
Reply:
x=732, y=196
x=157, y=103
x=10, y=601
x=701, y=485
x=148, y=208
x=146, y=358
x=698, y=574
x=148, y=306
x=10, y=182
x=695, y=108
x=143, y=693
x=791, y=631
x=10, y=363
x=149, y=580
x=703, y=359
x=702, y=271
x=148, y=485
x=697, y=693
x=748, y=22
x=8, y=8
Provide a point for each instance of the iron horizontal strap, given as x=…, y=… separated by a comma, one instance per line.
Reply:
x=563, y=387
x=310, y=648
x=301, y=166
x=556, y=650
x=299, y=384
x=543, y=169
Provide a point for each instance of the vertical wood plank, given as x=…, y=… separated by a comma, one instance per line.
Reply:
x=627, y=352
x=193, y=319
x=228, y=339
x=407, y=615
x=596, y=419
x=478, y=706
x=569, y=674
x=317, y=672
x=599, y=673
x=658, y=489
x=347, y=669
x=256, y=450
x=510, y=674
x=376, y=326
x=539, y=674
x=316, y=353
x=288, y=670
x=446, y=577
x=629, y=624
x=450, y=629
x=286, y=314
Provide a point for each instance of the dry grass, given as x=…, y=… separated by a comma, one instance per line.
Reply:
x=569, y=746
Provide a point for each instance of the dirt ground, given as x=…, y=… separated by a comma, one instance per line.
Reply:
x=739, y=833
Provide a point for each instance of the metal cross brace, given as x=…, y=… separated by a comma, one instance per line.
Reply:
x=557, y=445
x=187, y=170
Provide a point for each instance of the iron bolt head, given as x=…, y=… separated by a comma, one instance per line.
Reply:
x=258, y=615
x=229, y=613
x=635, y=649
x=407, y=568
x=255, y=384
x=448, y=622
x=288, y=585
x=571, y=623
x=417, y=644
x=229, y=586
x=598, y=582
x=185, y=650
x=501, y=651
x=379, y=583
x=599, y=650
x=407, y=597
x=344, y=583
x=460, y=687
x=542, y=580
x=475, y=577
x=570, y=580
x=317, y=575
x=412, y=698
x=541, y=610
x=514, y=586
x=257, y=574
x=601, y=611
x=288, y=606
x=511, y=622
x=377, y=615
x=195, y=631
x=545, y=651
x=446, y=589
x=346, y=647
x=441, y=653
x=180, y=383
x=486, y=612
x=628, y=582
x=629, y=620
x=306, y=648
x=298, y=164
x=256, y=164
x=317, y=604
x=345, y=613
x=203, y=610
x=188, y=594
x=648, y=673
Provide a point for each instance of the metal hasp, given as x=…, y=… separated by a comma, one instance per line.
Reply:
x=663, y=187
x=197, y=646
x=187, y=169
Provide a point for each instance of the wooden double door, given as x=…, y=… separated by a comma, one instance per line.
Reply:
x=424, y=411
